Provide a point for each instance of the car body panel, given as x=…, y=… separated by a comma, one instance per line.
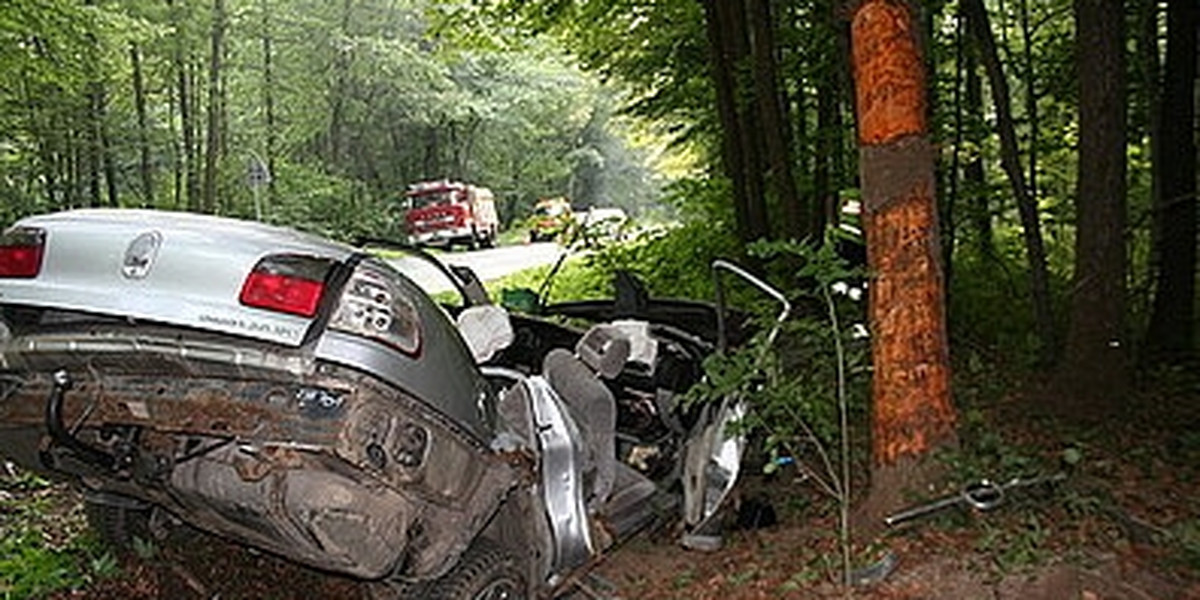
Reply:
x=193, y=279
x=307, y=461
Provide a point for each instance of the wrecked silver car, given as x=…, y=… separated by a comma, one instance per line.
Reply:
x=307, y=398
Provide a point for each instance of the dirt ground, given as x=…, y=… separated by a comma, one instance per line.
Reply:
x=1124, y=525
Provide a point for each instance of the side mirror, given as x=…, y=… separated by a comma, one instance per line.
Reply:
x=486, y=329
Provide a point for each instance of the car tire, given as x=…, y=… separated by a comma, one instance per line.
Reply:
x=487, y=571
x=118, y=526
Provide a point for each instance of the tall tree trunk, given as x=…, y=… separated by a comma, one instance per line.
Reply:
x=824, y=190
x=92, y=151
x=1172, y=320
x=722, y=68
x=106, y=152
x=71, y=171
x=212, y=148
x=1150, y=66
x=94, y=118
x=735, y=26
x=1010, y=161
x=139, y=103
x=186, y=168
x=974, y=179
x=176, y=151
x=77, y=154
x=1031, y=99
x=48, y=159
x=773, y=115
x=911, y=413
x=269, y=95
x=796, y=80
x=952, y=196
x=193, y=142
x=826, y=177
x=1094, y=373
x=433, y=154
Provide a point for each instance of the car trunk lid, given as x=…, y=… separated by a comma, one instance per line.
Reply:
x=178, y=269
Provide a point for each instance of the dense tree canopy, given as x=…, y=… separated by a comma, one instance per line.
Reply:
x=164, y=104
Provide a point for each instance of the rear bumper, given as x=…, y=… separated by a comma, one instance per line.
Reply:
x=322, y=464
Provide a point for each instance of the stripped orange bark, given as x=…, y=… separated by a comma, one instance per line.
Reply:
x=911, y=409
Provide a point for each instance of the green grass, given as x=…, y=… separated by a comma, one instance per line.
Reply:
x=574, y=280
x=44, y=545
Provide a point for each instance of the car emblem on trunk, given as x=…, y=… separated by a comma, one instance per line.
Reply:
x=139, y=256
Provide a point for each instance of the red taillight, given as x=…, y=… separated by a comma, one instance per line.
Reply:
x=21, y=252
x=286, y=283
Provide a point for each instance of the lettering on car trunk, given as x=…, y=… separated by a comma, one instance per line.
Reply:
x=252, y=326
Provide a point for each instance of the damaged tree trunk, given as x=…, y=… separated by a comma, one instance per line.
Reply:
x=911, y=413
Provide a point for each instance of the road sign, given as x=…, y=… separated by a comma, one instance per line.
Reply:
x=257, y=174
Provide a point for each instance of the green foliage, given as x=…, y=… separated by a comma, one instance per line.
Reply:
x=331, y=206
x=984, y=453
x=39, y=551
x=989, y=310
x=574, y=279
x=802, y=388
x=29, y=568
x=1015, y=547
x=656, y=49
x=675, y=260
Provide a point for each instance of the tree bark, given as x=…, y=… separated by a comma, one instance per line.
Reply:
x=106, y=152
x=1149, y=69
x=741, y=160
x=1039, y=279
x=269, y=95
x=433, y=153
x=139, y=102
x=721, y=71
x=973, y=172
x=1031, y=99
x=826, y=173
x=186, y=169
x=212, y=150
x=952, y=197
x=1094, y=374
x=94, y=119
x=1171, y=334
x=911, y=413
x=734, y=25
x=776, y=131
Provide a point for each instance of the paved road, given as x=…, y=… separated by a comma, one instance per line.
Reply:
x=488, y=264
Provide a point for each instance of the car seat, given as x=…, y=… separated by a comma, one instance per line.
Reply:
x=600, y=353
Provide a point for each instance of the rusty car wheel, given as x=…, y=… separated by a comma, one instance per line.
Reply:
x=487, y=572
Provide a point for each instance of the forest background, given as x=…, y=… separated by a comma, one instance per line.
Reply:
x=1063, y=137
